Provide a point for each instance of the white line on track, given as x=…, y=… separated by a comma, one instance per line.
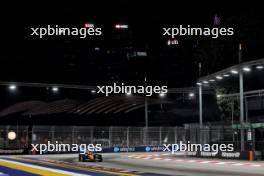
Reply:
x=165, y=154
x=179, y=160
x=238, y=164
x=255, y=165
x=167, y=159
x=124, y=171
x=158, y=158
x=146, y=158
x=220, y=163
x=205, y=162
x=191, y=161
x=154, y=157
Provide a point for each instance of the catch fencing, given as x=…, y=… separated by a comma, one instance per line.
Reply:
x=124, y=136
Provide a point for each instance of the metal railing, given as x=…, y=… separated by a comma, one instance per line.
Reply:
x=123, y=136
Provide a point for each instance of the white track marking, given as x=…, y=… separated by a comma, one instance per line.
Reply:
x=205, y=162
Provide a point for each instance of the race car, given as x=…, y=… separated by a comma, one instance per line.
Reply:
x=90, y=156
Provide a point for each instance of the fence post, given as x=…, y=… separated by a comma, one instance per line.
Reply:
x=91, y=133
x=6, y=138
x=73, y=142
x=52, y=134
x=127, y=136
x=175, y=135
x=160, y=135
x=27, y=143
x=253, y=139
x=145, y=135
x=110, y=136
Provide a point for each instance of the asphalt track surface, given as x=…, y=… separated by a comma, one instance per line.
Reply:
x=12, y=166
x=166, y=164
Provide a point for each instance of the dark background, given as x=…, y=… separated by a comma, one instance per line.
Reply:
x=69, y=60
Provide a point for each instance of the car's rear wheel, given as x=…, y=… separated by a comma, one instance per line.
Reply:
x=80, y=158
x=99, y=158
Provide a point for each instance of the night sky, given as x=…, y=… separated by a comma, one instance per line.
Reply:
x=68, y=60
x=73, y=60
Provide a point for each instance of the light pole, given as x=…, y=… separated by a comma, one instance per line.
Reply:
x=146, y=106
x=239, y=70
x=200, y=98
x=200, y=106
x=241, y=100
x=232, y=111
x=146, y=112
x=246, y=109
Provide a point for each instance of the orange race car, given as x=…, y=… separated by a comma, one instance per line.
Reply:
x=90, y=156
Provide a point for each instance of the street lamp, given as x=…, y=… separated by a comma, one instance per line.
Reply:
x=259, y=67
x=12, y=87
x=238, y=69
x=11, y=135
x=191, y=94
x=219, y=77
x=162, y=94
x=55, y=89
x=246, y=69
x=234, y=72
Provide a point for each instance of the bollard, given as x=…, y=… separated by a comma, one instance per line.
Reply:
x=251, y=155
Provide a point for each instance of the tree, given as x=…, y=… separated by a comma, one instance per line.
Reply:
x=228, y=107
